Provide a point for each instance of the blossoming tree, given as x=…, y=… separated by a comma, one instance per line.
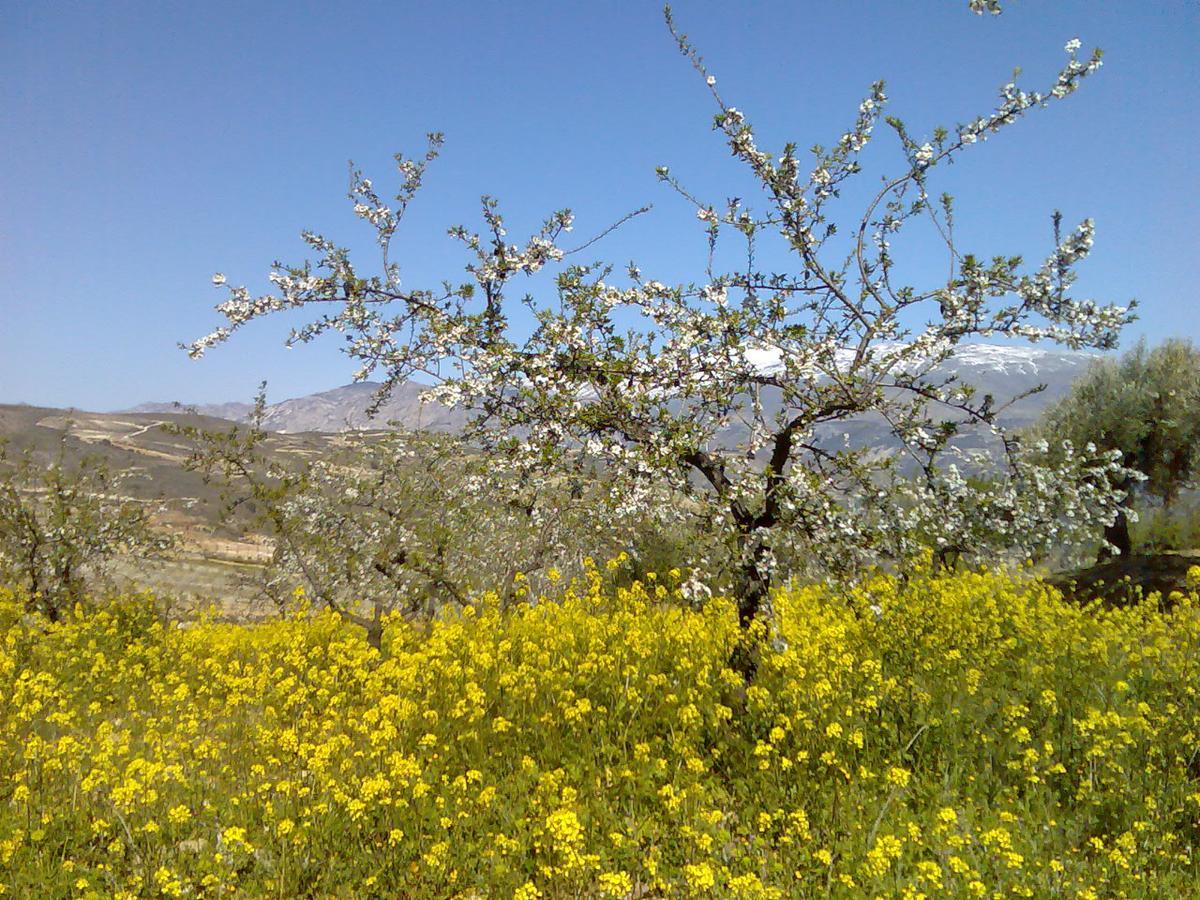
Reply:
x=63, y=526
x=647, y=378
x=406, y=523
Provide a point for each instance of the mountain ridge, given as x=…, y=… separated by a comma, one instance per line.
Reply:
x=1000, y=370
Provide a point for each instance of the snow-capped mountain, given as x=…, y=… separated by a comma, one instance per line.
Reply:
x=1002, y=371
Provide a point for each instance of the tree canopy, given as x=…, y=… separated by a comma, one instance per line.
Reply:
x=1146, y=406
x=648, y=377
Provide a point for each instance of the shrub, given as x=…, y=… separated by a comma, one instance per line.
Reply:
x=61, y=527
x=1165, y=529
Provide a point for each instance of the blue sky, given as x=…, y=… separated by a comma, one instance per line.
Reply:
x=144, y=146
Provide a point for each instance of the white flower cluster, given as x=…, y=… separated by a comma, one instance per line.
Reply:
x=1015, y=102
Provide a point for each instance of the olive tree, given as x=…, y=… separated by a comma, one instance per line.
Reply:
x=1145, y=407
x=648, y=377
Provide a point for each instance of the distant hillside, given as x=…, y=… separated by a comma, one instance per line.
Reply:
x=234, y=412
x=312, y=425
x=1003, y=372
x=134, y=443
x=337, y=410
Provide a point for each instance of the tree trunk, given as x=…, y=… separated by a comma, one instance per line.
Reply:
x=752, y=589
x=373, y=624
x=1116, y=534
x=375, y=627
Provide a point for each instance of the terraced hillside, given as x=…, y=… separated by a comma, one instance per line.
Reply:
x=221, y=557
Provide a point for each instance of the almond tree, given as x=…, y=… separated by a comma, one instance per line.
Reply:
x=407, y=523
x=62, y=526
x=648, y=377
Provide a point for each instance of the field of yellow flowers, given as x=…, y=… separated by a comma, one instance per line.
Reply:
x=966, y=735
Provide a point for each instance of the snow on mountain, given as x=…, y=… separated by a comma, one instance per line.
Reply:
x=994, y=358
x=1003, y=371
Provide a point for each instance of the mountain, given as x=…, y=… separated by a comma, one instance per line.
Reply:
x=1005, y=372
x=235, y=412
x=341, y=409
x=345, y=409
x=1001, y=371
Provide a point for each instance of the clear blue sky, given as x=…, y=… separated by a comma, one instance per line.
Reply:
x=144, y=146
